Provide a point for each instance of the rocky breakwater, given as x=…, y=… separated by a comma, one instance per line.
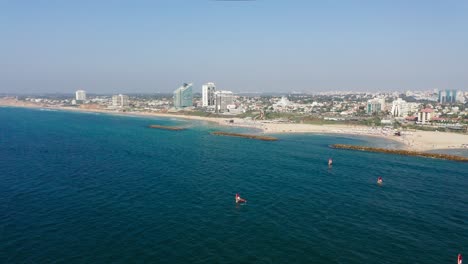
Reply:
x=173, y=128
x=258, y=137
x=402, y=152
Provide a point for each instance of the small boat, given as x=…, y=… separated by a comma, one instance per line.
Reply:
x=380, y=181
x=460, y=259
x=330, y=161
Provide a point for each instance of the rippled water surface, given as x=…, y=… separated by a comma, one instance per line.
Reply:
x=94, y=188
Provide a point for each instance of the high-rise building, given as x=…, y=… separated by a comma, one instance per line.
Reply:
x=183, y=96
x=80, y=95
x=120, y=100
x=460, y=97
x=399, y=108
x=223, y=100
x=208, y=94
x=447, y=96
x=375, y=105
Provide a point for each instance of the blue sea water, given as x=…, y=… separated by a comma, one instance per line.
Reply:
x=96, y=188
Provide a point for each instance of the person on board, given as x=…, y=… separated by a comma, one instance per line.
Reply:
x=379, y=180
x=239, y=199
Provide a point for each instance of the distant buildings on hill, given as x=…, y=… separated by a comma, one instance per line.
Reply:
x=415, y=107
x=183, y=96
x=284, y=102
x=451, y=96
x=447, y=96
x=444, y=109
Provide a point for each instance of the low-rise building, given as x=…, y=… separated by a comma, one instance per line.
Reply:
x=425, y=115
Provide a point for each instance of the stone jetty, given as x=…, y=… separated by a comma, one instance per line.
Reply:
x=258, y=137
x=402, y=152
x=174, y=128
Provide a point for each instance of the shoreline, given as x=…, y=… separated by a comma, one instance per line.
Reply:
x=409, y=140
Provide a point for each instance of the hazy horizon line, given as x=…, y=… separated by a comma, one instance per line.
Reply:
x=240, y=93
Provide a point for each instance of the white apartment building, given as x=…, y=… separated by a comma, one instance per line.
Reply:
x=80, y=95
x=208, y=94
x=399, y=108
x=120, y=101
x=460, y=97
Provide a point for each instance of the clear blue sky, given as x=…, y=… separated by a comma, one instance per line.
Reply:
x=263, y=45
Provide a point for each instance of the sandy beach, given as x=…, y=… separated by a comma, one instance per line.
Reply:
x=411, y=140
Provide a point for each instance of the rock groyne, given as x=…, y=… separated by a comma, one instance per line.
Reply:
x=173, y=128
x=402, y=152
x=265, y=138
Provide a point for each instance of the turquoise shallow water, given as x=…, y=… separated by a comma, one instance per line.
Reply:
x=94, y=188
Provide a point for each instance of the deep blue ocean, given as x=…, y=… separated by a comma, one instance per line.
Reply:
x=97, y=188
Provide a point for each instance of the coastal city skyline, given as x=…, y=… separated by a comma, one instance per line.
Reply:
x=244, y=46
x=422, y=110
